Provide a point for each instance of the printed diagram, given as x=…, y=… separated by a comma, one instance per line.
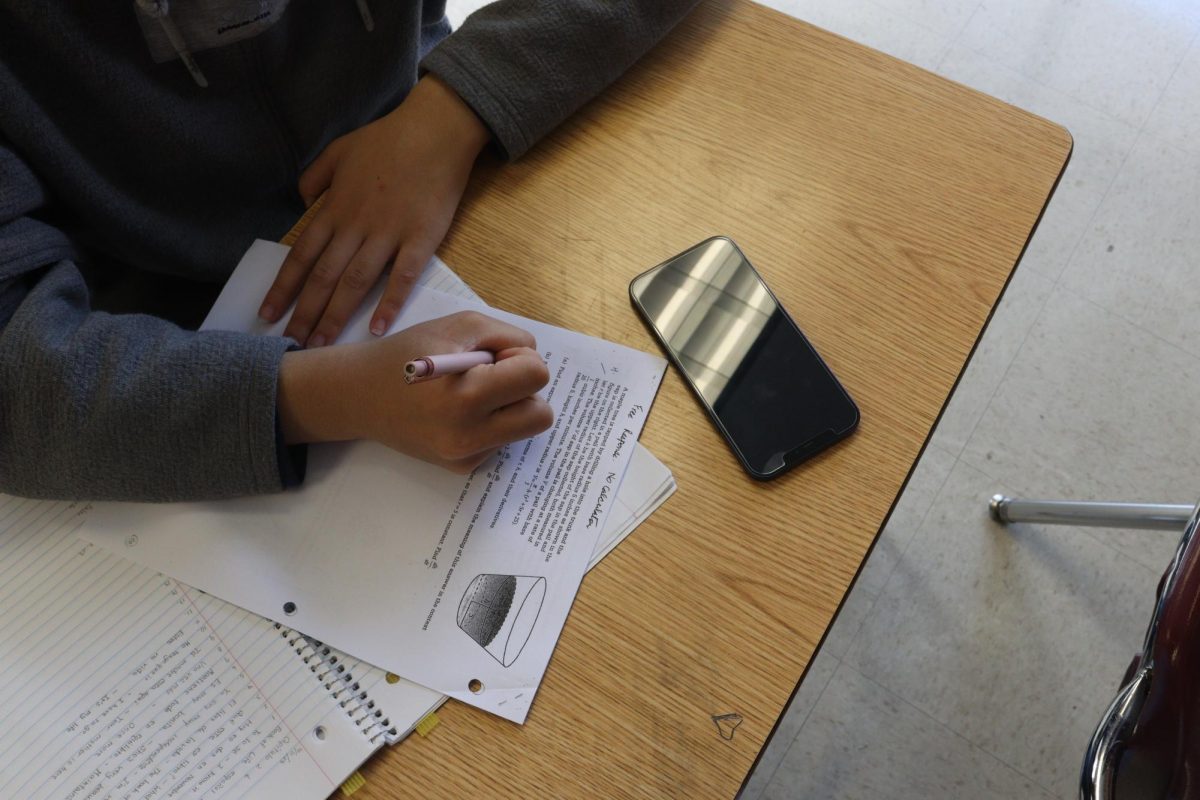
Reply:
x=499, y=612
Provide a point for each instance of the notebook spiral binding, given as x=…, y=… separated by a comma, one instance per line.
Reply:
x=328, y=667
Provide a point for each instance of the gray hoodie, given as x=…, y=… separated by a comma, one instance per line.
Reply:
x=118, y=167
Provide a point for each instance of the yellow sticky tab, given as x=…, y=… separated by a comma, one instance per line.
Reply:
x=353, y=784
x=427, y=724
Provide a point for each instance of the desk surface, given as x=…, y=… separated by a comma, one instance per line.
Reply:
x=887, y=208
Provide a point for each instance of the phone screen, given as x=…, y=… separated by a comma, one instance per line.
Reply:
x=764, y=385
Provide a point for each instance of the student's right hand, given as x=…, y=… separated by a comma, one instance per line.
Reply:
x=358, y=392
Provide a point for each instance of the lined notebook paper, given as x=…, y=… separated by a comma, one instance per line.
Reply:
x=116, y=681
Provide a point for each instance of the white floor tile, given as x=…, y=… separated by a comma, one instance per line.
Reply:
x=1019, y=308
x=944, y=16
x=1095, y=408
x=790, y=722
x=927, y=479
x=1141, y=258
x=1101, y=146
x=1115, y=55
x=1176, y=118
x=1015, y=638
x=873, y=25
x=864, y=742
x=855, y=609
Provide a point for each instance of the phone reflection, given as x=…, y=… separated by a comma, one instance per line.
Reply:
x=768, y=390
x=712, y=310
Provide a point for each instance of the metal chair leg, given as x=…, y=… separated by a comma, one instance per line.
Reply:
x=1152, y=516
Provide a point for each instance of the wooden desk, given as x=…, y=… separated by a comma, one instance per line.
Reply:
x=887, y=208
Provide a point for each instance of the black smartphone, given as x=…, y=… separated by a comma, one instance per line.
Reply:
x=760, y=380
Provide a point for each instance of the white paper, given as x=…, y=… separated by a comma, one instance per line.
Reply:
x=117, y=681
x=648, y=483
x=453, y=583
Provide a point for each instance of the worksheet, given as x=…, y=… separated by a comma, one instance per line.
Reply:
x=460, y=584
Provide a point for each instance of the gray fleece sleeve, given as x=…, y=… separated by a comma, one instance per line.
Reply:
x=525, y=65
x=101, y=406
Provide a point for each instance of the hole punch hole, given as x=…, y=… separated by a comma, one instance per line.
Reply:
x=475, y=685
x=289, y=608
x=319, y=732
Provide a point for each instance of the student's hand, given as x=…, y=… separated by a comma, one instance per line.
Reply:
x=391, y=189
x=358, y=392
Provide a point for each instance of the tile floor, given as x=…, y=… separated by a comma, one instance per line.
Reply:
x=971, y=661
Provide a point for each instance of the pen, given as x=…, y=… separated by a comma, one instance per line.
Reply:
x=428, y=367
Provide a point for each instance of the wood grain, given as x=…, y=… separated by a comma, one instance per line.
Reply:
x=887, y=208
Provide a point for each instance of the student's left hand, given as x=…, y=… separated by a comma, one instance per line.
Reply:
x=391, y=189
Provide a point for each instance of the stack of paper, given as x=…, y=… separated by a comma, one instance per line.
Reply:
x=174, y=690
x=460, y=584
x=648, y=483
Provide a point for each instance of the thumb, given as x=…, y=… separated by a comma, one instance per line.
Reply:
x=318, y=175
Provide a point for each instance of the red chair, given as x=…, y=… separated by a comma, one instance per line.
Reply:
x=1147, y=745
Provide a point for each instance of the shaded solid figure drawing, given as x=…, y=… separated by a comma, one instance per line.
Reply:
x=499, y=611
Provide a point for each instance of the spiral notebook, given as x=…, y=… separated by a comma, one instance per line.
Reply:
x=116, y=681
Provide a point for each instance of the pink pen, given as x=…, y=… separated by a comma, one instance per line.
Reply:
x=428, y=367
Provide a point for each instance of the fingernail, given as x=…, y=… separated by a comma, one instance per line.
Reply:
x=316, y=340
x=266, y=313
x=377, y=327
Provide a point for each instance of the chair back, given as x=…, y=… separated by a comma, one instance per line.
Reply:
x=1147, y=745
